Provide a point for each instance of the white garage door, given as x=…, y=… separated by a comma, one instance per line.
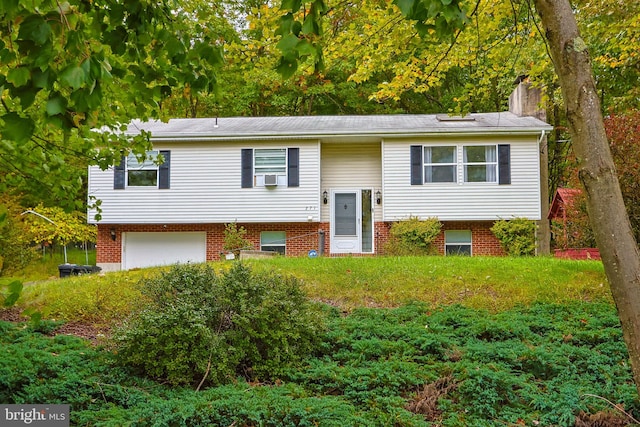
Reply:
x=153, y=249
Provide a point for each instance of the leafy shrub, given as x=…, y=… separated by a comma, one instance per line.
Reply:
x=413, y=236
x=203, y=327
x=235, y=239
x=517, y=236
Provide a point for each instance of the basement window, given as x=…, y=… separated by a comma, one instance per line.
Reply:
x=273, y=241
x=457, y=242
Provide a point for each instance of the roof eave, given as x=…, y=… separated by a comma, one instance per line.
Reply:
x=205, y=137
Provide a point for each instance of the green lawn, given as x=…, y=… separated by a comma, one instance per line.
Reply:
x=490, y=283
x=493, y=283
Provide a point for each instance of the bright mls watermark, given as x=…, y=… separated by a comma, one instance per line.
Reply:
x=34, y=415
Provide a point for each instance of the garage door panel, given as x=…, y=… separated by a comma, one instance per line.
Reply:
x=142, y=249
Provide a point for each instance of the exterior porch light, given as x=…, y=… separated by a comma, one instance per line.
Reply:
x=112, y=233
x=378, y=197
x=325, y=197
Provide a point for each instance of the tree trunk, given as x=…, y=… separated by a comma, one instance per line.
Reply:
x=605, y=205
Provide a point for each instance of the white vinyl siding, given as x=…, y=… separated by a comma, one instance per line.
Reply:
x=350, y=166
x=474, y=201
x=206, y=188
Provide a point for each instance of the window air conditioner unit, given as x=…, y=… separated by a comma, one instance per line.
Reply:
x=270, y=180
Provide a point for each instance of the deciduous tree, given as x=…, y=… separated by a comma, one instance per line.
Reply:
x=72, y=73
x=572, y=64
x=609, y=220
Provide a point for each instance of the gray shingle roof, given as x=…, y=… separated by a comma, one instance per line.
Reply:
x=336, y=126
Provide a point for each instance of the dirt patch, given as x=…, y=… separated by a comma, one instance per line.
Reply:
x=12, y=314
x=93, y=333
x=89, y=332
x=602, y=419
x=425, y=401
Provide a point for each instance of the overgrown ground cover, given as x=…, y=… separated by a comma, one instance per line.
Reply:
x=540, y=356
x=454, y=366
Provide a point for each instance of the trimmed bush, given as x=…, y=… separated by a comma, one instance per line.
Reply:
x=413, y=236
x=517, y=236
x=201, y=328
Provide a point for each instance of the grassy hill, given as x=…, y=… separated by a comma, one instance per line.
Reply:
x=489, y=283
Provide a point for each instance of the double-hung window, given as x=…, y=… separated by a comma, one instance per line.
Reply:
x=142, y=173
x=460, y=163
x=480, y=163
x=270, y=167
x=153, y=171
x=440, y=164
x=270, y=161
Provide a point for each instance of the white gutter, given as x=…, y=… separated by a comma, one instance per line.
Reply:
x=542, y=135
x=208, y=137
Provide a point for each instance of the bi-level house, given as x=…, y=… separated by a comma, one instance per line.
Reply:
x=295, y=183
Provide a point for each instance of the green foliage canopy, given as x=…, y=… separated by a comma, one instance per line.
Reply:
x=60, y=228
x=72, y=73
x=623, y=132
x=16, y=249
x=624, y=140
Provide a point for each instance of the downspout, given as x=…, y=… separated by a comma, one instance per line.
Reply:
x=544, y=232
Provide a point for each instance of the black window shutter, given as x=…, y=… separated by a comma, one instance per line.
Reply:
x=293, y=165
x=416, y=165
x=504, y=164
x=164, y=169
x=247, y=168
x=119, y=175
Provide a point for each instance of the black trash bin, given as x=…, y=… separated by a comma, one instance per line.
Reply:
x=66, y=270
x=79, y=270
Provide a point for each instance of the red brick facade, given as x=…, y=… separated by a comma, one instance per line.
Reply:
x=301, y=237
